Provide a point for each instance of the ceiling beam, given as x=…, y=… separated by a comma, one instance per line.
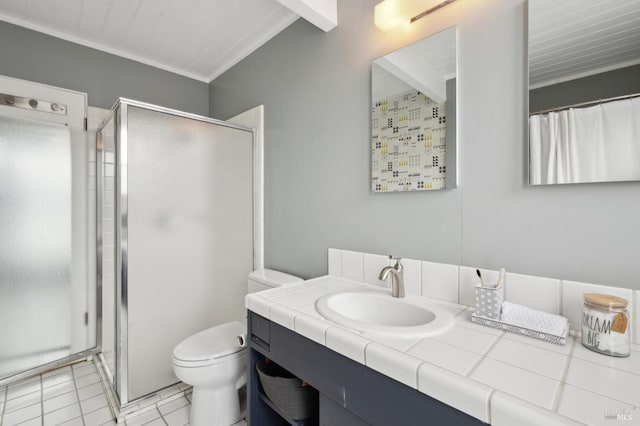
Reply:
x=425, y=79
x=321, y=13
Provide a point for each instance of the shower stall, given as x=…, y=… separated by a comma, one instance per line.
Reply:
x=179, y=227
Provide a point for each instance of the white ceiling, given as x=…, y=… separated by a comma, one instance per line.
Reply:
x=199, y=39
x=425, y=65
x=575, y=38
x=385, y=85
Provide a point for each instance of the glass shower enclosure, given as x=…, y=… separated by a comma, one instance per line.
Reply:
x=176, y=231
x=47, y=279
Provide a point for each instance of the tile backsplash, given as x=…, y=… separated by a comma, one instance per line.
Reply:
x=538, y=293
x=454, y=283
x=440, y=281
x=636, y=305
x=572, y=291
x=352, y=265
x=372, y=265
x=412, y=275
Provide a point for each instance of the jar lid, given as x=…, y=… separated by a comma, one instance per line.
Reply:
x=605, y=300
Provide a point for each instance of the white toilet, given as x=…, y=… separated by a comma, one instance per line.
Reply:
x=214, y=361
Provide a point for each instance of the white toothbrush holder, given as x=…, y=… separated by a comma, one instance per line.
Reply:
x=489, y=301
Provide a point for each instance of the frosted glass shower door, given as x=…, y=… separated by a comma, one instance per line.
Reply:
x=186, y=238
x=43, y=284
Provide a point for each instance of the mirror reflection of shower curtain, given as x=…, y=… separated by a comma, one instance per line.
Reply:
x=43, y=244
x=594, y=144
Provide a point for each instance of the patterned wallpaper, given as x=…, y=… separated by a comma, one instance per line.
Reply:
x=408, y=144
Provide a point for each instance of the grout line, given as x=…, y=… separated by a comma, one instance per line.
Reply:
x=489, y=398
x=482, y=357
x=598, y=392
x=518, y=368
x=561, y=299
x=507, y=335
x=41, y=401
x=75, y=386
x=4, y=403
x=457, y=288
x=414, y=345
x=325, y=336
x=635, y=338
x=563, y=378
x=619, y=370
x=418, y=374
x=177, y=396
x=364, y=353
x=420, y=278
x=459, y=285
x=141, y=411
x=159, y=417
x=99, y=408
x=505, y=287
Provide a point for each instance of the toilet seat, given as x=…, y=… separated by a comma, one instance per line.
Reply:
x=214, y=345
x=208, y=362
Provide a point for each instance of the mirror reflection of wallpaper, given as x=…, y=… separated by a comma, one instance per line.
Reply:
x=407, y=144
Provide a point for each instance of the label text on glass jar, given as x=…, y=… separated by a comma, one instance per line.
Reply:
x=595, y=326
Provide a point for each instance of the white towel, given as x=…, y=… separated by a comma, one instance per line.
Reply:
x=533, y=319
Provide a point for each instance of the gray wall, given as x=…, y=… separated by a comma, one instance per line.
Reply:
x=623, y=81
x=34, y=56
x=316, y=92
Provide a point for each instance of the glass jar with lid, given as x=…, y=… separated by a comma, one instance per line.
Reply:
x=605, y=327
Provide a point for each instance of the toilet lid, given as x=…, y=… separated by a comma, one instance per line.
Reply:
x=215, y=342
x=271, y=278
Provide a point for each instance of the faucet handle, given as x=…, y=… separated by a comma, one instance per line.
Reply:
x=397, y=259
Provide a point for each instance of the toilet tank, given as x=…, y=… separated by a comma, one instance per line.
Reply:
x=266, y=279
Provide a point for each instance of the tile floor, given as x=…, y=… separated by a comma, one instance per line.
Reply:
x=75, y=396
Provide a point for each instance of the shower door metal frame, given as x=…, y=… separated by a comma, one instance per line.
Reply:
x=121, y=255
x=50, y=92
x=120, y=114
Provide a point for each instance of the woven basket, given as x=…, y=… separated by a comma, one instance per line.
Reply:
x=295, y=399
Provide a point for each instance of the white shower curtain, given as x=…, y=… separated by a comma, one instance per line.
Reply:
x=594, y=144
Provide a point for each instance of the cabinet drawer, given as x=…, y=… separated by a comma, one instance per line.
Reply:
x=260, y=328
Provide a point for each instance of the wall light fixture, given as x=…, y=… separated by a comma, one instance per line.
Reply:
x=389, y=14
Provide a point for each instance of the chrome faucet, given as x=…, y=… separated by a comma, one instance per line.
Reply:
x=397, y=277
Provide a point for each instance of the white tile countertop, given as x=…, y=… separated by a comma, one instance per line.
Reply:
x=497, y=377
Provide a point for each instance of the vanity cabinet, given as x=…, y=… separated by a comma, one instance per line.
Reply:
x=351, y=394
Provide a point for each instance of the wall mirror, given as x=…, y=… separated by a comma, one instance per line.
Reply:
x=584, y=91
x=413, y=116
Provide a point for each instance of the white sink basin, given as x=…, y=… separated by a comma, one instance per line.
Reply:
x=378, y=313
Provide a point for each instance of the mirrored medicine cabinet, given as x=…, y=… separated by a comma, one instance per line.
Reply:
x=584, y=91
x=413, y=116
